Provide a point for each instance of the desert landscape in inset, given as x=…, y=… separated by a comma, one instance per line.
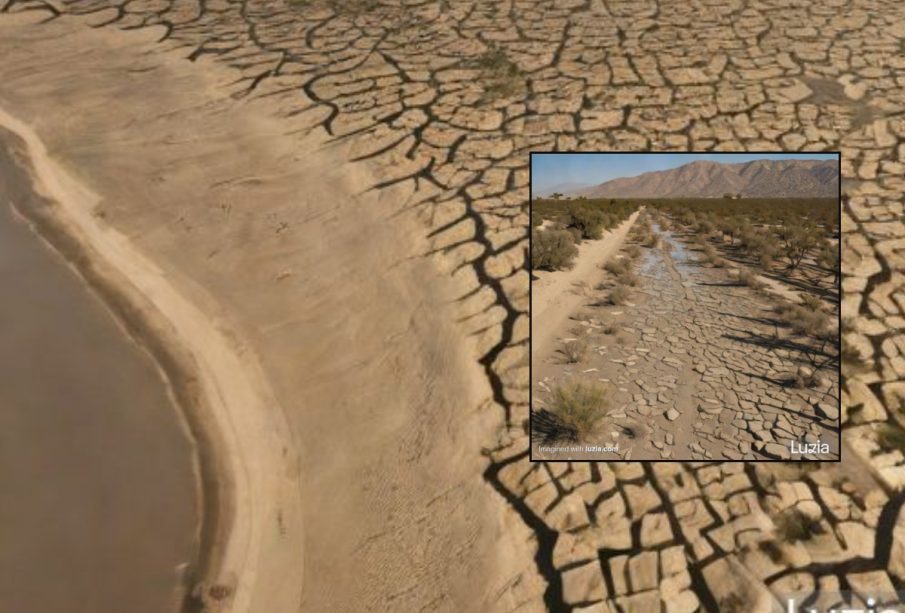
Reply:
x=303, y=227
x=699, y=326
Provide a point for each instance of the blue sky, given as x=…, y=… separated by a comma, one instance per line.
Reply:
x=549, y=169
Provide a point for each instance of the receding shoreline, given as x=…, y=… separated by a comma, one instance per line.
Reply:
x=144, y=326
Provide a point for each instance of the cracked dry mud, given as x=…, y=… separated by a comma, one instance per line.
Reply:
x=695, y=369
x=404, y=81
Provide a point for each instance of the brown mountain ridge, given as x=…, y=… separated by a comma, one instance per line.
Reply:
x=706, y=179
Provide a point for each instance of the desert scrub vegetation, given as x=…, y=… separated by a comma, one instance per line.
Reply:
x=633, y=251
x=803, y=320
x=811, y=301
x=501, y=77
x=797, y=242
x=792, y=525
x=589, y=221
x=621, y=269
x=712, y=257
x=559, y=209
x=552, y=250
x=616, y=266
x=574, y=351
x=749, y=278
x=891, y=437
x=619, y=295
x=580, y=407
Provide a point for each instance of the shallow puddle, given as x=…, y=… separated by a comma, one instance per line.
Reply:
x=99, y=503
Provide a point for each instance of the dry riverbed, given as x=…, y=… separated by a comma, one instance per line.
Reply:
x=698, y=366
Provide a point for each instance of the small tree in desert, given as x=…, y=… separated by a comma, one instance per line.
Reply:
x=797, y=242
x=588, y=220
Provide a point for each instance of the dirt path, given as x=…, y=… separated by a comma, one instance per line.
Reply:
x=698, y=370
x=555, y=296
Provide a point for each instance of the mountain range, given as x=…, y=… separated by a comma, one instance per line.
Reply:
x=706, y=179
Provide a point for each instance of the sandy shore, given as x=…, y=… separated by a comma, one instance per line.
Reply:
x=343, y=413
x=232, y=395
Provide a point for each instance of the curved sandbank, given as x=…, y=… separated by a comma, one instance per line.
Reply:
x=92, y=443
x=346, y=412
x=218, y=383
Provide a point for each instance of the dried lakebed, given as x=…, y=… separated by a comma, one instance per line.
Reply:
x=699, y=368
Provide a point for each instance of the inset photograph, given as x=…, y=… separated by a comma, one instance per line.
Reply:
x=685, y=306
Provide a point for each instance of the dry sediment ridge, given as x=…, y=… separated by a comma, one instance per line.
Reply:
x=349, y=416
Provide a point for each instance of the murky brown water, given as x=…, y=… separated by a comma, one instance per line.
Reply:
x=97, y=493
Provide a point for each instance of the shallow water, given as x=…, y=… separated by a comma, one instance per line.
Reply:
x=97, y=487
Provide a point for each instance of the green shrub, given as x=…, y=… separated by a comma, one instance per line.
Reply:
x=580, y=406
x=552, y=250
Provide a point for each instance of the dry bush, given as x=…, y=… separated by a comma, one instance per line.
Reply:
x=587, y=220
x=629, y=278
x=634, y=251
x=792, y=526
x=811, y=301
x=747, y=277
x=891, y=437
x=616, y=267
x=619, y=295
x=803, y=320
x=502, y=78
x=608, y=329
x=552, y=250
x=809, y=323
x=574, y=351
x=580, y=406
x=797, y=242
